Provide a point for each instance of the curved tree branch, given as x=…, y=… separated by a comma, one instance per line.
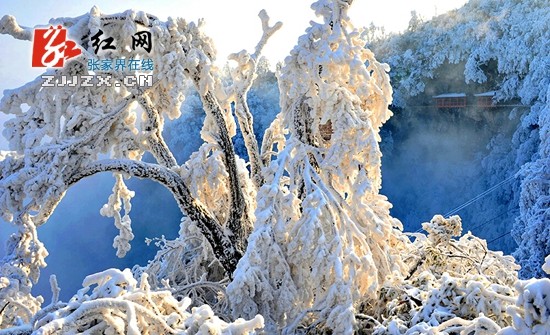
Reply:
x=223, y=247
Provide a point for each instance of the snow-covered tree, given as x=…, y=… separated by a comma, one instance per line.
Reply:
x=298, y=239
x=533, y=226
x=324, y=240
x=69, y=133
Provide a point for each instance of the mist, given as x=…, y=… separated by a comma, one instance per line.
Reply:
x=435, y=160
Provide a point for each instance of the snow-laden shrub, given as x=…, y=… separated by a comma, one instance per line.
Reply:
x=453, y=285
x=118, y=304
x=188, y=265
x=17, y=304
x=531, y=314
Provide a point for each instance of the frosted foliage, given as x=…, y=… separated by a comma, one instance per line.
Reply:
x=69, y=133
x=441, y=229
x=206, y=175
x=323, y=239
x=19, y=270
x=188, y=265
x=120, y=198
x=531, y=314
x=118, y=304
x=504, y=46
x=63, y=121
x=475, y=34
x=453, y=286
x=17, y=304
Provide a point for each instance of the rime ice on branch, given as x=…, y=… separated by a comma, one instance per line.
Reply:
x=324, y=239
x=69, y=133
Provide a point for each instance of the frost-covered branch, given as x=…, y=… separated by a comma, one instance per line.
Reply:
x=235, y=221
x=8, y=25
x=153, y=129
x=223, y=247
x=243, y=77
x=198, y=54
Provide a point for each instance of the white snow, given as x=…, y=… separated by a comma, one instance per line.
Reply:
x=486, y=94
x=319, y=247
x=450, y=95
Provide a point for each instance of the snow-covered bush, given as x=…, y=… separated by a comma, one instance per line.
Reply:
x=117, y=304
x=531, y=314
x=17, y=304
x=452, y=285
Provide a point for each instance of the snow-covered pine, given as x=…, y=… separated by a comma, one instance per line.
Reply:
x=324, y=240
